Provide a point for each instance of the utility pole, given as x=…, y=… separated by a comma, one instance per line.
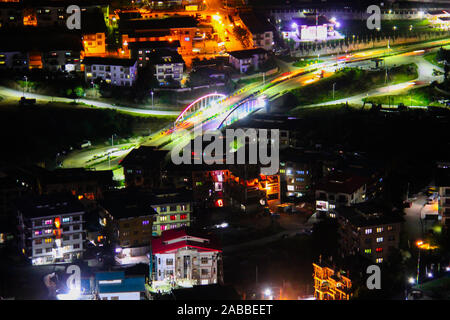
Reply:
x=334, y=85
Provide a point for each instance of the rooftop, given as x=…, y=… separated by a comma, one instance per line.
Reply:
x=157, y=24
x=185, y=238
x=164, y=56
x=369, y=214
x=254, y=23
x=127, y=203
x=341, y=182
x=48, y=205
x=109, y=61
x=246, y=54
x=144, y=156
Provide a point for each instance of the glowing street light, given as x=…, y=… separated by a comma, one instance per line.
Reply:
x=411, y=280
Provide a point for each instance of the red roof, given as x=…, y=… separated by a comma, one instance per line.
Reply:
x=160, y=245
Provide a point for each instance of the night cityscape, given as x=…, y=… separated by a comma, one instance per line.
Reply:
x=227, y=150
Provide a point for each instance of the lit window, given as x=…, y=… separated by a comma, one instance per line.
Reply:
x=290, y=188
x=38, y=233
x=379, y=249
x=183, y=216
x=389, y=228
x=48, y=240
x=368, y=231
x=173, y=217
x=47, y=222
x=379, y=230
x=379, y=260
x=163, y=227
x=368, y=251
x=380, y=239
x=65, y=220
x=145, y=222
x=163, y=218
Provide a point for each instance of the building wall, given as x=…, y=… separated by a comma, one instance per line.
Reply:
x=135, y=231
x=374, y=242
x=171, y=216
x=94, y=44
x=335, y=200
x=120, y=296
x=296, y=178
x=115, y=75
x=444, y=205
x=201, y=268
x=41, y=244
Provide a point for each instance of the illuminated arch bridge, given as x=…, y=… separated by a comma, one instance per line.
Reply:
x=243, y=109
x=201, y=103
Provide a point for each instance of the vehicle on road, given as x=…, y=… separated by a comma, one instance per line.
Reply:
x=85, y=144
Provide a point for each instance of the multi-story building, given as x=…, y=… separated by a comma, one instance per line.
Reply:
x=183, y=258
x=175, y=28
x=128, y=218
x=339, y=189
x=173, y=208
x=369, y=230
x=143, y=167
x=114, y=285
x=115, y=71
x=168, y=66
x=296, y=173
x=51, y=228
x=141, y=51
x=261, y=31
x=246, y=60
x=443, y=185
x=11, y=15
x=330, y=285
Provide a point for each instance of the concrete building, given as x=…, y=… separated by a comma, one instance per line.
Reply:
x=443, y=185
x=247, y=60
x=330, y=285
x=128, y=219
x=167, y=65
x=340, y=189
x=114, y=71
x=182, y=258
x=143, y=167
x=260, y=29
x=177, y=28
x=51, y=228
x=173, y=209
x=116, y=285
x=370, y=230
x=141, y=51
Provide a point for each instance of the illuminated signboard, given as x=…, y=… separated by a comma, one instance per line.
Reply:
x=321, y=205
x=219, y=203
x=314, y=33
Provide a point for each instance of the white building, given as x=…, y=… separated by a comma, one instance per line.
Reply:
x=115, y=71
x=51, y=228
x=168, y=66
x=116, y=286
x=340, y=190
x=245, y=60
x=185, y=260
x=260, y=30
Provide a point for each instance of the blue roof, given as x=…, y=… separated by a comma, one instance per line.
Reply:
x=135, y=284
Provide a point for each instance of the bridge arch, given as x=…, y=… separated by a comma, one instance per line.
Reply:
x=242, y=109
x=200, y=103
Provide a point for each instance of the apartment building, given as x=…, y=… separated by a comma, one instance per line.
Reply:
x=184, y=258
x=167, y=65
x=443, y=185
x=127, y=218
x=370, y=230
x=261, y=31
x=173, y=208
x=143, y=167
x=115, y=285
x=296, y=174
x=329, y=284
x=114, y=71
x=141, y=51
x=51, y=228
x=176, y=28
x=339, y=189
x=247, y=60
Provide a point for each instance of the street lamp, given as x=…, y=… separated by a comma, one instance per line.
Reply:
x=426, y=246
x=152, y=97
x=26, y=85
